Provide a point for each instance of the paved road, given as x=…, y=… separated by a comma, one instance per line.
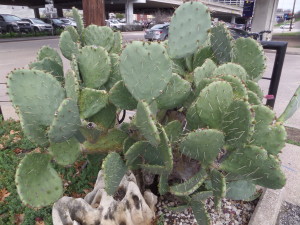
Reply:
x=19, y=54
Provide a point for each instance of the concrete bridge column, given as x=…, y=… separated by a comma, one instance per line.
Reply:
x=36, y=13
x=233, y=19
x=263, y=18
x=60, y=12
x=129, y=11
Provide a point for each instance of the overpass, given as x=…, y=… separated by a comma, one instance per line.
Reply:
x=133, y=6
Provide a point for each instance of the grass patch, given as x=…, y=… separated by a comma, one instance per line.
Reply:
x=292, y=142
x=287, y=34
x=31, y=34
x=13, y=147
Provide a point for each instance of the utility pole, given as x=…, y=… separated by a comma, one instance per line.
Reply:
x=293, y=15
x=94, y=12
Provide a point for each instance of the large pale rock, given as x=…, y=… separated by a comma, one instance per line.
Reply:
x=131, y=208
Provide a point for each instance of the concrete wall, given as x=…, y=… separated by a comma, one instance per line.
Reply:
x=21, y=11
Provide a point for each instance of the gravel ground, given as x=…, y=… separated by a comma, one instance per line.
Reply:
x=232, y=212
x=289, y=214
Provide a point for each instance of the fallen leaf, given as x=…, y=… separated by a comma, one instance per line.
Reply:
x=1, y=147
x=39, y=221
x=3, y=194
x=19, y=218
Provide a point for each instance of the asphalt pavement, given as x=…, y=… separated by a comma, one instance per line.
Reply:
x=21, y=53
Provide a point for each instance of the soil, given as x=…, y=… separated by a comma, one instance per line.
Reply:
x=289, y=214
x=293, y=134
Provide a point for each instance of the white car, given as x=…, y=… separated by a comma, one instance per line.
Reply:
x=114, y=24
x=286, y=26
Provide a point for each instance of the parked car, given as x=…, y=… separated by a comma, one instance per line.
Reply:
x=56, y=23
x=237, y=33
x=39, y=25
x=114, y=24
x=286, y=26
x=68, y=22
x=157, y=32
x=11, y=23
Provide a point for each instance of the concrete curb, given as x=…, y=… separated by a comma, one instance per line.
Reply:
x=3, y=40
x=268, y=207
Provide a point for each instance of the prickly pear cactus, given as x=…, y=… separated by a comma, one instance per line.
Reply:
x=195, y=99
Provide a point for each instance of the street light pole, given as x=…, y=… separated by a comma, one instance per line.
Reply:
x=293, y=15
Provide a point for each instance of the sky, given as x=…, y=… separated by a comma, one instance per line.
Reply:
x=288, y=4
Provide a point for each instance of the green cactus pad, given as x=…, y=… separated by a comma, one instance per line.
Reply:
x=107, y=142
x=253, y=99
x=88, y=131
x=201, y=196
x=114, y=170
x=91, y=101
x=200, y=213
x=240, y=190
x=121, y=97
x=249, y=54
x=231, y=69
x=73, y=32
x=66, y=121
x=78, y=19
x=205, y=71
x=221, y=43
x=65, y=153
x=72, y=85
x=291, y=108
x=203, y=145
x=49, y=66
x=264, y=116
x=238, y=87
x=190, y=186
x=174, y=94
x=94, y=66
x=201, y=55
x=173, y=130
x=146, y=69
x=99, y=36
x=117, y=44
x=193, y=120
x=188, y=29
x=146, y=123
x=163, y=186
x=218, y=187
x=48, y=52
x=237, y=123
x=36, y=96
x=179, y=66
x=67, y=46
x=178, y=208
x=256, y=165
x=213, y=101
x=105, y=118
x=74, y=67
x=115, y=74
x=38, y=184
x=128, y=142
x=254, y=87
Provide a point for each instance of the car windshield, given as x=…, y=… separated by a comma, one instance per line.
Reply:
x=10, y=18
x=57, y=21
x=38, y=21
x=158, y=26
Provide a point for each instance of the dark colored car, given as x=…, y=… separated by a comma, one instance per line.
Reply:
x=56, y=23
x=237, y=33
x=157, y=32
x=39, y=25
x=11, y=23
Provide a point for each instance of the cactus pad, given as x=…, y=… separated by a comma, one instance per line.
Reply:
x=65, y=153
x=65, y=123
x=203, y=145
x=105, y=118
x=205, y=71
x=249, y=54
x=91, y=101
x=151, y=72
x=231, y=69
x=173, y=130
x=72, y=85
x=117, y=44
x=190, y=186
x=213, y=101
x=93, y=73
x=256, y=165
x=238, y=87
x=201, y=55
x=113, y=169
x=202, y=195
x=240, y=190
x=99, y=36
x=291, y=108
x=200, y=213
x=174, y=94
x=163, y=186
x=253, y=99
x=146, y=123
x=218, y=187
x=67, y=46
x=38, y=184
x=78, y=19
x=121, y=97
x=115, y=74
x=254, y=87
x=188, y=29
x=221, y=43
x=47, y=52
x=73, y=32
x=193, y=120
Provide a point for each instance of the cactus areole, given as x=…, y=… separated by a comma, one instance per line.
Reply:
x=196, y=100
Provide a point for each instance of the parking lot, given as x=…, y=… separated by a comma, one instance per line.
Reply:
x=19, y=54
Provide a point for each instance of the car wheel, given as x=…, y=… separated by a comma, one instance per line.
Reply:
x=36, y=30
x=10, y=30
